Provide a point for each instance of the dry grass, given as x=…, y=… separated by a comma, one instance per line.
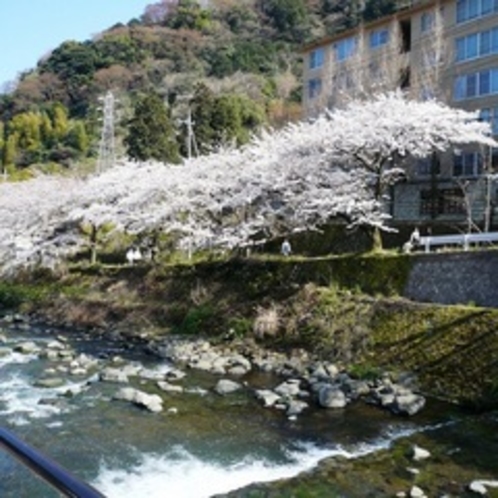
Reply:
x=267, y=322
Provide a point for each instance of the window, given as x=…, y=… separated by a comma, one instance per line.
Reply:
x=317, y=58
x=314, y=88
x=379, y=37
x=426, y=22
x=476, y=84
x=490, y=115
x=428, y=166
x=477, y=45
x=441, y=201
x=345, y=49
x=467, y=164
x=467, y=10
x=459, y=88
x=493, y=76
x=494, y=40
x=484, y=83
x=472, y=85
x=485, y=43
x=343, y=81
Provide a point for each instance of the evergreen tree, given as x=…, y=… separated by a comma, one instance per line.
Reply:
x=202, y=105
x=10, y=151
x=77, y=138
x=289, y=17
x=150, y=132
x=60, y=121
x=378, y=8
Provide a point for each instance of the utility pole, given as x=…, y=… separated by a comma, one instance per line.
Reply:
x=107, y=153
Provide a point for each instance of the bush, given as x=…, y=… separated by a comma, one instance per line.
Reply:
x=197, y=320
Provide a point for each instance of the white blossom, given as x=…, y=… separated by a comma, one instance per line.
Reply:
x=290, y=180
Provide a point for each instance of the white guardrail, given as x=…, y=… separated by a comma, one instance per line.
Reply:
x=459, y=239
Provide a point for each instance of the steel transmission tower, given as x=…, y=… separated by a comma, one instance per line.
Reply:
x=191, y=141
x=107, y=152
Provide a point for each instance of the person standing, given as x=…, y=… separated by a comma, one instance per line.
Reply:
x=286, y=248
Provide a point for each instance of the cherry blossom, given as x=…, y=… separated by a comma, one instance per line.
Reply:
x=294, y=179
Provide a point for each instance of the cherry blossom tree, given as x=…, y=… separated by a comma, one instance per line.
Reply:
x=298, y=178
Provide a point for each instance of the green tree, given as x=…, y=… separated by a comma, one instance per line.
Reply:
x=47, y=131
x=73, y=62
x=223, y=119
x=25, y=127
x=378, y=8
x=289, y=17
x=189, y=15
x=234, y=118
x=77, y=138
x=202, y=105
x=9, y=151
x=60, y=121
x=150, y=132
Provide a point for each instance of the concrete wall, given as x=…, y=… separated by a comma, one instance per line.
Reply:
x=455, y=278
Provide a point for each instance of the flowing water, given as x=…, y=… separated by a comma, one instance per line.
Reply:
x=209, y=444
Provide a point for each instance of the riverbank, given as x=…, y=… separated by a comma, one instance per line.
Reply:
x=461, y=460
x=66, y=393
x=345, y=310
x=454, y=449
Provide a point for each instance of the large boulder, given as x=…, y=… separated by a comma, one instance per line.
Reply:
x=269, y=398
x=114, y=375
x=295, y=407
x=419, y=454
x=50, y=383
x=408, y=404
x=169, y=388
x=289, y=388
x=27, y=347
x=331, y=397
x=226, y=386
x=151, y=402
x=480, y=486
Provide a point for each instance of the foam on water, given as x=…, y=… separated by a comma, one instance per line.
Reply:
x=16, y=358
x=157, y=372
x=183, y=475
x=20, y=399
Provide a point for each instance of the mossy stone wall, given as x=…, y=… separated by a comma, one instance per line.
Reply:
x=454, y=278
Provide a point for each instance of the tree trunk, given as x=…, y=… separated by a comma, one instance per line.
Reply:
x=93, y=245
x=376, y=240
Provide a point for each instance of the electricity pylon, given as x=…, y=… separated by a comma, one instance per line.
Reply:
x=107, y=153
x=191, y=142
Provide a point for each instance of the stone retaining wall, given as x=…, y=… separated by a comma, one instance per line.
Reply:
x=455, y=278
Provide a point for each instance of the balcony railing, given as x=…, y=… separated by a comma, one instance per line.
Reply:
x=46, y=468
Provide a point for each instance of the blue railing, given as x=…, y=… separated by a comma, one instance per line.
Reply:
x=50, y=471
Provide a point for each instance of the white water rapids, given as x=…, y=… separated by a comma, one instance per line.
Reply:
x=212, y=446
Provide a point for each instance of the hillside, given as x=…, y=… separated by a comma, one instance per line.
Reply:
x=188, y=54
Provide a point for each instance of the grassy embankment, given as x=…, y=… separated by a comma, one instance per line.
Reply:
x=344, y=308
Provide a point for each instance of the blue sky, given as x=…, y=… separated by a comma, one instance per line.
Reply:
x=32, y=28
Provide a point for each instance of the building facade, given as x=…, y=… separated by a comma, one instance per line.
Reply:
x=444, y=49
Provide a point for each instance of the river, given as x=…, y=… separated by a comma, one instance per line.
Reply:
x=202, y=444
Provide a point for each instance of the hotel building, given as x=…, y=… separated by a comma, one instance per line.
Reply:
x=431, y=49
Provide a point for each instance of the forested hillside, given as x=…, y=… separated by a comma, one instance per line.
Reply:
x=233, y=64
